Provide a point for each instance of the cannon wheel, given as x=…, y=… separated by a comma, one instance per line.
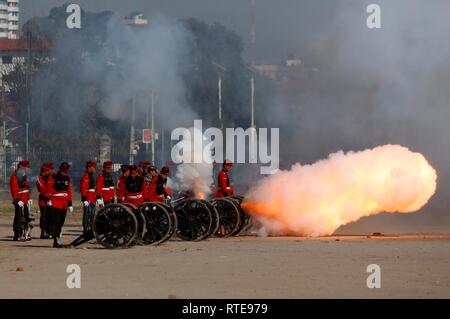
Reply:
x=140, y=220
x=115, y=226
x=173, y=219
x=246, y=219
x=194, y=220
x=214, y=218
x=158, y=223
x=229, y=217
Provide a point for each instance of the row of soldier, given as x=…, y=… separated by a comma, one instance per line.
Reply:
x=136, y=185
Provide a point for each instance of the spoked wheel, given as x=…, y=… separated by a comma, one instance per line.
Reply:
x=158, y=223
x=229, y=217
x=115, y=226
x=140, y=220
x=245, y=221
x=214, y=218
x=173, y=219
x=194, y=220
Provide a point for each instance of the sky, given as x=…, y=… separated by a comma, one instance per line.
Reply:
x=280, y=25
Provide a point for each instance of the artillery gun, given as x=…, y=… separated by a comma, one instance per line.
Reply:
x=153, y=223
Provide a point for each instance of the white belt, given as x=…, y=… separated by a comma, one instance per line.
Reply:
x=134, y=197
x=108, y=188
x=91, y=190
x=61, y=195
x=24, y=191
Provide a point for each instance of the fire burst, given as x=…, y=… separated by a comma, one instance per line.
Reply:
x=315, y=200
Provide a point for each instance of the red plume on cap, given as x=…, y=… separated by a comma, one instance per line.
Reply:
x=90, y=164
x=107, y=164
x=23, y=164
x=47, y=166
x=64, y=166
x=165, y=170
x=133, y=168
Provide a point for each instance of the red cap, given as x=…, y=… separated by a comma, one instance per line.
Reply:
x=64, y=167
x=227, y=163
x=23, y=164
x=107, y=164
x=144, y=164
x=47, y=166
x=165, y=170
x=90, y=164
x=124, y=168
x=133, y=168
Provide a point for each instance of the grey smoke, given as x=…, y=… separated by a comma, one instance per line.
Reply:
x=373, y=87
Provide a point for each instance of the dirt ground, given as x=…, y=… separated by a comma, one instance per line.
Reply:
x=412, y=266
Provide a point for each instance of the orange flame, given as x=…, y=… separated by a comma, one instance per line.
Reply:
x=315, y=200
x=201, y=195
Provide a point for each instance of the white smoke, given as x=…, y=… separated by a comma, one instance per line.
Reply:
x=192, y=176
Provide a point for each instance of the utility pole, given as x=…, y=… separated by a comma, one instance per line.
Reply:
x=132, y=130
x=220, y=102
x=153, y=125
x=221, y=71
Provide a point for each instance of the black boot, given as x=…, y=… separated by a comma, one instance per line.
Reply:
x=44, y=234
x=57, y=242
x=16, y=236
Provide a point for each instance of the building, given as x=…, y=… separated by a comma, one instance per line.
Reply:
x=9, y=19
x=136, y=19
x=16, y=51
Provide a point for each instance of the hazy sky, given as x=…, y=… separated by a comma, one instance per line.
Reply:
x=281, y=25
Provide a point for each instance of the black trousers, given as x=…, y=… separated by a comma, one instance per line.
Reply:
x=88, y=217
x=45, y=221
x=21, y=218
x=58, y=219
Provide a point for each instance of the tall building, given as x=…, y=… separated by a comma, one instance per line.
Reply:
x=9, y=19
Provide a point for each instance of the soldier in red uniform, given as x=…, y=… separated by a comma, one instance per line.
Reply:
x=223, y=180
x=120, y=189
x=153, y=174
x=59, y=186
x=158, y=189
x=88, y=197
x=20, y=192
x=44, y=197
x=105, y=188
x=135, y=188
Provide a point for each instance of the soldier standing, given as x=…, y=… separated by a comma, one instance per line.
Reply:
x=59, y=186
x=223, y=180
x=44, y=197
x=20, y=192
x=105, y=188
x=135, y=188
x=88, y=197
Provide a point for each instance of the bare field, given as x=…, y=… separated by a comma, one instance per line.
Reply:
x=412, y=266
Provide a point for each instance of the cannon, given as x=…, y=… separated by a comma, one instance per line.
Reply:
x=125, y=225
x=221, y=217
x=152, y=223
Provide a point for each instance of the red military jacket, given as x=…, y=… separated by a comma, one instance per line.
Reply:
x=120, y=188
x=87, y=188
x=153, y=196
x=44, y=196
x=19, y=187
x=105, y=187
x=224, y=187
x=135, y=190
x=59, y=186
